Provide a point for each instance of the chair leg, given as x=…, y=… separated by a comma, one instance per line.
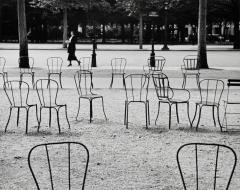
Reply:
x=213, y=114
x=67, y=116
x=184, y=81
x=91, y=111
x=10, y=113
x=50, y=117
x=195, y=114
x=103, y=108
x=199, y=117
x=79, y=100
x=111, y=82
x=177, y=112
x=49, y=76
x=33, y=83
x=198, y=81
x=125, y=112
x=58, y=122
x=146, y=113
x=157, y=113
x=170, y=116
x=91, y=80
x=18, y=113
x=40, y=118
x=127, y=104
x=219, y=118
x=37, y=113
x=123, y=77
x=189, y=115
x=27, y=114
x=60, y=80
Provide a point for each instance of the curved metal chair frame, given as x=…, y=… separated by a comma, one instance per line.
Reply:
x=137, y=94
x=83, y=81
x=3, y=73
x=190, y=68
x=55, y=67
x=47, y=90
x=118, y=68
x=17, y=93
x=50, y=165
x=229, y=102
x=86, y=65
x=209, y=99
x=27, y=71
x=197, y=151
x=167, y=95
x=159, y=65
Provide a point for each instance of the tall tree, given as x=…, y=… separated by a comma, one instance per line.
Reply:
x=236, y=19
x=202, y=34
x=22, y=33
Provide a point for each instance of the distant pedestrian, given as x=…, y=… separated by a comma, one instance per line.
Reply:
x=71, y=49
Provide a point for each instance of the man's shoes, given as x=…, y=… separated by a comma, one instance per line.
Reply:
x=69, y=65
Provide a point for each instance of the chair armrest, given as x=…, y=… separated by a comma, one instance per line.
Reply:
x=179, y=93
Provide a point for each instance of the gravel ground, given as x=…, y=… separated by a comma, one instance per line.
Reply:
x=120, y=158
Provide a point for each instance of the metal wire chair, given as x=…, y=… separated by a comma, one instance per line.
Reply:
x=55, y=67
x=210, y=92
x=159, y=65
x=17, y=93
x=203, y=157
x=231, y=105
x=190, y=68
x=83, y=81
x=136, y=88
x=86, y=65
x=47, y=90
x=168, y=95
x=118, y=68
x=3, y=73
x=56, y=162
x=27, y=71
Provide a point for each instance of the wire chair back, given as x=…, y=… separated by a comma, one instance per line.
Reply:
x=85, y=63
x=118, y=65
x=206, y=166
x=211, y=90
x=2, y=64
x=162, y=87
x=47, y=161
x=29, y=61
x=190, y=62
x=136, y=87
x=159, y=64
x=17, y=93
x=83, y=82
x=47, y=90
x=54, y=64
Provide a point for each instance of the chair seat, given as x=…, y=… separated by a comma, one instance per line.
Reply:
x=116, y=73
x=174, y=100
x=90, y=96
x=231, y=102
x=207, y=103
x=30, y=73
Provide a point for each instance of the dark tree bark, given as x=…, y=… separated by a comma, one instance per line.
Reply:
x=22, y=33
x=104, y=34
x=65, y=27
x=140, y=31
x=236, y=43
x=202, y=34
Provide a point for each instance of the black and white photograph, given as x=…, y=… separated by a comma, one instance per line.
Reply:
x=119, y=94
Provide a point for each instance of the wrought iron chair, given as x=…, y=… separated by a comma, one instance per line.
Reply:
x=47, y=90
x=86, y=65
x=27, y=71
x=54, y=158
x=136, y=88
x=3, y=73
x=203, y=157
x=118, y=68
x=169, y=96
x=159, y=65
x=210, y=92
x=55, y=67
x=83, y=83
x=17, y=93
x=231, y=106
x=190, y=68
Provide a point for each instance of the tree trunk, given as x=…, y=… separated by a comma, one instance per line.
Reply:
x=65, y=27
x=236, y=43
x=202, y=44
x=123, y=33
x=103, y=33
x=131, y=32
x=140, y=31
x=22, y=33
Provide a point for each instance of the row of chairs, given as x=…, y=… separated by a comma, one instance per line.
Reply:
x=196, y=161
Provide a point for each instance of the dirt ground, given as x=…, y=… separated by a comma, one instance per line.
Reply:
x=120, y=158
